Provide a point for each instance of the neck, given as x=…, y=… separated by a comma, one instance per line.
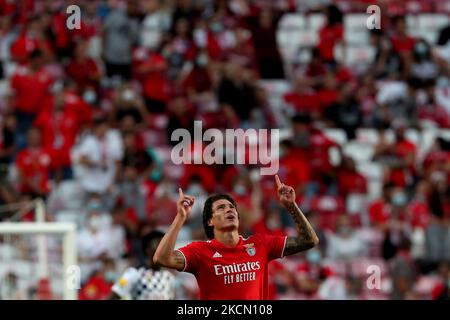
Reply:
x=227, y=238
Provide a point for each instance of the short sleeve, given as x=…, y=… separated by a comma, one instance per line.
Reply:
x=190, y=253
x=124, y=286
x=275, y=245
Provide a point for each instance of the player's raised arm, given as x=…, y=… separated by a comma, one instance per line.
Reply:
x=306, y=237
x=165, y=254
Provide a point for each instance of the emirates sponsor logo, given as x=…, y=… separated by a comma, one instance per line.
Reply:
x=236, y=268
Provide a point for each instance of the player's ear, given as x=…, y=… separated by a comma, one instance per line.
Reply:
x=210, y=223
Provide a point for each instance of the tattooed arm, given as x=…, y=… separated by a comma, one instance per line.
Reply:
x=165, y=254
x=306, y=238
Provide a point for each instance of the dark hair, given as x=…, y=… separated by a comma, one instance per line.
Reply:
x=36, y=54
x=149, y=237
x=207, y=211
x=334, y=15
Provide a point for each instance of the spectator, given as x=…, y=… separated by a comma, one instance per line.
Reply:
x=263, y=27
x=155, y=24
x=98, y=156
x=151, y=67
x=304, y=99
x=198, y=84
x=84, y=70
x=403, y=272
x=10, y=287
x=181, y=47
x=293, y=169
x=7, y=141
x=442, y=290
x=346, y=112
x=136, y=166
x=181, y=115
x=387, y=62
x=31, y=85
x=346, y=243
x=60, y=125
x=330, y=34
x=33, y=165
x=98, y=286
x=31, y=39
x=236, y=94
x=402, y=43
x=423, y=67
x=98, y=239
x=437, y=240
x=349, y=180
x=120, y=34
x=128, y=107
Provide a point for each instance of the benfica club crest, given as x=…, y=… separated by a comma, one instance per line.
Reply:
x=251, y=251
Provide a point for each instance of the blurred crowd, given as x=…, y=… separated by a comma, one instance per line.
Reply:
x=86, y=117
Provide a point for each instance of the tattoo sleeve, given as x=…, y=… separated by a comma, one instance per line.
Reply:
x=306, y=238
x=179, y=261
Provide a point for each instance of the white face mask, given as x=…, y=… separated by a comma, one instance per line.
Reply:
x=200, y=37
x=128, y=94
x=240, y=189
x=313, y=256
x=94, y=222
x=195, y=189
x=399, y=199
x=202, y=60
x=90, y=96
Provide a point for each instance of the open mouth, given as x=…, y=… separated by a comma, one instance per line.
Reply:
x=230, y=217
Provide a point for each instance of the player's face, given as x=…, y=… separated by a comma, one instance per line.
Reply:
x=225, y=216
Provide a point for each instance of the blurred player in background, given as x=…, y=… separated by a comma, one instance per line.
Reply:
x=229, y=266
x=147, y=282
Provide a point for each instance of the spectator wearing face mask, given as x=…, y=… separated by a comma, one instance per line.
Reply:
x=398, y=157
x=134, y=187
x=98, y=286
x=84, y=70
x=345, y=243
x=423, y=66
x=151, y=70
x=97, y=158
x=99, y=238
x=128, y=106
x=198, y=85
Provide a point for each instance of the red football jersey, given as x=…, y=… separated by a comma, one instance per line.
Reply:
x=237, y=273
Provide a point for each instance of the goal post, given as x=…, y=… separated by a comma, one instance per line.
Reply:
x=69, y=256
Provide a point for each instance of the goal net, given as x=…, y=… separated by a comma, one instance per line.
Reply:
x=38, y=258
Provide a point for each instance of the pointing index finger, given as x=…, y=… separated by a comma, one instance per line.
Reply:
x=180, y=192
x=277, y=180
